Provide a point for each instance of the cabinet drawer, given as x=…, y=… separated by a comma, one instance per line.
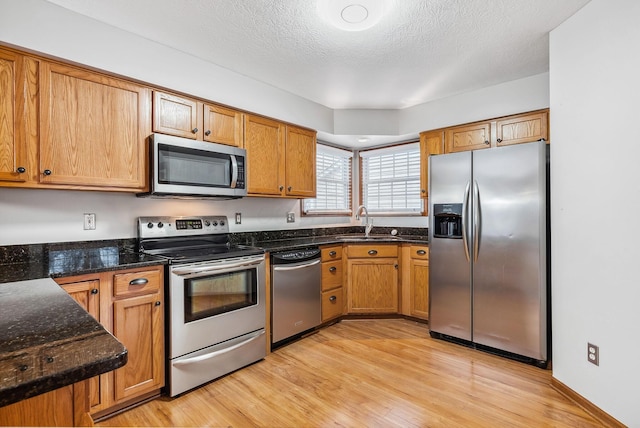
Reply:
x=420, y=252
x=331, y=253
x=132, y=283
x=331, y=275
x=332, y=304
x=370, y=251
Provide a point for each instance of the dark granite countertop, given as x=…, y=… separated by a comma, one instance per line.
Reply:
x=48, y=341
x=309, y=241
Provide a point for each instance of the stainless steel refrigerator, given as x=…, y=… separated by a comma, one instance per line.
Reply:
x=488, y=249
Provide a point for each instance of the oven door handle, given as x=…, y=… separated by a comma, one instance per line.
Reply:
x=210, y=268
x=217, y=353
x=285, y=268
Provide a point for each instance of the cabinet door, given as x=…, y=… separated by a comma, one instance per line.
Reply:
x=420, y=288
x=523, y=128
x=372, y=285
x=87, y=294
x=223, y=125
x=93, y=129
x=468, y=137
x=300, y=155
x=431, y=143
x=264, y=142
x=332, y=304
x=176, y=116
x=138, y=324
x=13, y=165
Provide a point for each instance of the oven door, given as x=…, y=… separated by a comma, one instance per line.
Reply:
x=215, y=301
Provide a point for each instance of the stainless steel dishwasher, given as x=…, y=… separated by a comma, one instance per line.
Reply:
x=296, y=304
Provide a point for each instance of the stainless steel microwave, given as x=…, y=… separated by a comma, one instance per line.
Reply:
x=183, y=168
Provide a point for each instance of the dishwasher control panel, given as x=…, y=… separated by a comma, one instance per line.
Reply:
x=294, y=256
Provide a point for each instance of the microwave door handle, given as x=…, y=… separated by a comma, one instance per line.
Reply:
x=234, y=171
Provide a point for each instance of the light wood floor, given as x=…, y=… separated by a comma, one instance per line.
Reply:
x=370, y=373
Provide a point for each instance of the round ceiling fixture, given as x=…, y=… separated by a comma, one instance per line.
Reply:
x=353, y=15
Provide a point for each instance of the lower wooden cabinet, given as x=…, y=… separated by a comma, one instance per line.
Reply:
x=372, y=278
x=332, y=281
x=130, y=305
x=419, y=280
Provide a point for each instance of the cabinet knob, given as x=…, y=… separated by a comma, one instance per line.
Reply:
x=424, y=191
x=281, y=188
x=23, y=368
x=289, y=188
x=542, y=139
x=139, y=281
x=332, y=298
x=332, y=253
x=21, y=169
x=372, y=252
x=194, y=130
x=47, y=172
x=421, y=252
x=486, y=142
x=395, y=266
x=94, y=291
x=207, y=132
x=49, y=359
x=158, y=303
x=333, y=269
x=499, y=140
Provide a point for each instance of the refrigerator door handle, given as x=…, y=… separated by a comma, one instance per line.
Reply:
x=465, y=218
x=476, y=220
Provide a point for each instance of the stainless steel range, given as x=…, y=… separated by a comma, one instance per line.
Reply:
x=216, y=312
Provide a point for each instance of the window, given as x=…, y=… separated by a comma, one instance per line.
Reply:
x=391, y=180
x=333, y=186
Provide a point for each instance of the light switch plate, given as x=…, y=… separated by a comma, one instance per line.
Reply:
x=238, y=218
x=89, y=221
x=291, y=217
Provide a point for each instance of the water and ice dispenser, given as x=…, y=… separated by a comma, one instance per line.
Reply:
x=447, y=221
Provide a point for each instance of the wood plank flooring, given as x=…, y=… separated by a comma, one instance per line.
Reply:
x=370, y=373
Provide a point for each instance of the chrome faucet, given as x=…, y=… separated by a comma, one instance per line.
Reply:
x=368, y=226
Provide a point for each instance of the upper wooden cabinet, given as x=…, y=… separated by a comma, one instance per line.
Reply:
x=92, y=129
x=189, y=118
x=280, y=158
x=431, y=143
x=14, y=73
x=468, y=137
x=522, y=128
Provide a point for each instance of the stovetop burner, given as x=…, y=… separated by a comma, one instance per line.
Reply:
x=189, y=239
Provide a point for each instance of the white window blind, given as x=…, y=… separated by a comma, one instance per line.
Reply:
x=391, y=180
x=333, y=182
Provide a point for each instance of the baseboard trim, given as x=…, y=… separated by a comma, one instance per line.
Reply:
x=587, y=405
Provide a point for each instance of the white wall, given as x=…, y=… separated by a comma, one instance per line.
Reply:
x=595, y=186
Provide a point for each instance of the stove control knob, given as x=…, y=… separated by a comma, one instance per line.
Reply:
x=150, y=225
x=207, y=223
x=160, y=224
x=215, y=223
x=221, y=222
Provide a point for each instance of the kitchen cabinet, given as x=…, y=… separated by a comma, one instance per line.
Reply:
x=197, y=120
x=372, y=278
x=419, y=281
x=92, y=129
x=473, y=136
x=431, y=143
x=280, y=159
x=522, y=128
x=332, y=281
x=129, y=304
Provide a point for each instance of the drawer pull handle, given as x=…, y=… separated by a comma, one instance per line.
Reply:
x=332, y=253
x=333, y=269
x=421, y=252
x=46, y=172
x=372, y=252
x=21, y=170
x=332, y=298
x=23, y=368
x=139, y=281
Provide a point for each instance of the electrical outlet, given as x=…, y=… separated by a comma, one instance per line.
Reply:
x=291, y=217
x=593, y=354
x=238, y=218
x=89, y=221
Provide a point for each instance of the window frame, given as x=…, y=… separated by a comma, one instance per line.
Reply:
x=325, y=148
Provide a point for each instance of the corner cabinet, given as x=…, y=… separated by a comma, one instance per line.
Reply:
x=372, y=278
x=281, y=159
x=92, y=129
x=129, y=304
x=197, y=120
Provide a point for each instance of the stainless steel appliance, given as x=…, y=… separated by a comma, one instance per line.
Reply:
x=216, y=313
x=185, y=168
x=296, y=293
x=488, y=249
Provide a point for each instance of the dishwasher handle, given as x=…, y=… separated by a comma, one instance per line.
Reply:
x=296, y=267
